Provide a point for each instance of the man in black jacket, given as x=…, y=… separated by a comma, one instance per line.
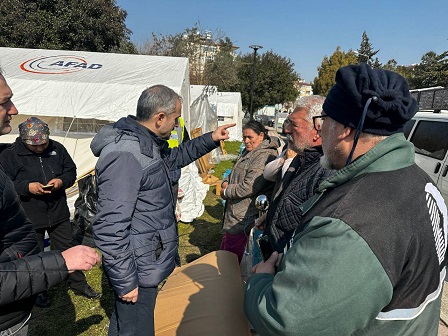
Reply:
x=41, y=170
x=24, y=272
x=302, y=177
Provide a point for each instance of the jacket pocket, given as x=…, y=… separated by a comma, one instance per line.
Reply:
x=157, y=247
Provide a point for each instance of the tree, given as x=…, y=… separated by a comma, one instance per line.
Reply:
x=407, y=71
x=222, y=71
x=274, y=83
x=432, y=71
x=326, y=72
x=365, y=52
x=201, y=47
x=91, y=25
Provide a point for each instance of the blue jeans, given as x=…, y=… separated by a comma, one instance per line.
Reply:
x=134, y=319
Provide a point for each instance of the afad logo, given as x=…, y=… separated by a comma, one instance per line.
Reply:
x=57, y=65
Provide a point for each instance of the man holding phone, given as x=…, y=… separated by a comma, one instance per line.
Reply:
x=41, y=170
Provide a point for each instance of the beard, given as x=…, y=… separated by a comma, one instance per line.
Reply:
x=292, y=145
x=325, y=162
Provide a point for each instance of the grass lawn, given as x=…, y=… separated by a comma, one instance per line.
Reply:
x=71, y=315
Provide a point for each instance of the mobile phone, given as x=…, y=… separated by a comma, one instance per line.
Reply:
x=48, y=186
x=265, y=247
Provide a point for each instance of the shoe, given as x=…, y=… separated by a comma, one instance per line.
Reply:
x=88, y=292
x=43, y=300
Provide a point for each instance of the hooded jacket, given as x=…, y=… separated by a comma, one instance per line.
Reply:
x=23, y=271
x=135, y=226
x=368, y=259
x=246, y=182
x=23, y=167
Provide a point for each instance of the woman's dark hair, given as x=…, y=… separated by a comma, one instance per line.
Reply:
x=257, y=127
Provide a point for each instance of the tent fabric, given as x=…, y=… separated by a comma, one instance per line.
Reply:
x=229, y=109
x=227, y=106
x=52, y=84
x=201, y=113
x=86, y=84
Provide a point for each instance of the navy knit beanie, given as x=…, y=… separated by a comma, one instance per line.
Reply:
x=355, y=84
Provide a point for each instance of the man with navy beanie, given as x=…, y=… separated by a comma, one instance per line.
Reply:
x=369, y=257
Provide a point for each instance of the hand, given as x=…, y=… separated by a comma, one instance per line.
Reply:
x=221, y=133
x=268, y=266
x=36, y=189
x=132, y=296
x=221, y=193
x=80, y=258
x=259, y=222
x=57, y=184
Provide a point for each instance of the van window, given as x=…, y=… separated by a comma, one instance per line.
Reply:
x=430, y=138
x=408, y=127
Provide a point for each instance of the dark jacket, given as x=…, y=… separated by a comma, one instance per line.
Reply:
x=246, y=182
x=23, y=272
x=299, y=183
x=23, y=167
x=135, y=227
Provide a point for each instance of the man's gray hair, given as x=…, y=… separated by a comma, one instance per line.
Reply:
x=155, y=99
x=312, y=104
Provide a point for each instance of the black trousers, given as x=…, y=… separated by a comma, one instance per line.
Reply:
x=61, y=238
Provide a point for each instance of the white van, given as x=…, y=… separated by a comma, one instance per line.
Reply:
x=428, y=131
x=280, y=118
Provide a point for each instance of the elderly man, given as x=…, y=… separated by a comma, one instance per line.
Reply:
x=135, y=227
x=303, y=175
x=24, y=272
x=369, y=257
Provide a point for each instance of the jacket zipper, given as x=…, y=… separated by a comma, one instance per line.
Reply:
x=45, y=181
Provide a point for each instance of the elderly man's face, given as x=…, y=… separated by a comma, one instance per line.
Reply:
x=299, y=131
x=7, y=108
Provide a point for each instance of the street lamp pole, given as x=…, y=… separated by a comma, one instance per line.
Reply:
x=251, y=112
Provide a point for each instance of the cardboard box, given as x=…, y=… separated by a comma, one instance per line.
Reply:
x=204, y=297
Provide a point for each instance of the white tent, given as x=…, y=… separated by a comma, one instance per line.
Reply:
x=226, y=105
x=229, y=108
x=76, y=92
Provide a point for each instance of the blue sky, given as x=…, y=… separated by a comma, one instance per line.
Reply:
x=304, y=31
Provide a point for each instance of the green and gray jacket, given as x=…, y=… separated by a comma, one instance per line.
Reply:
x=369, y=258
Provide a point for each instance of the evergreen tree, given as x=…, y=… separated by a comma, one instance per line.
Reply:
x=432, y=71
x=365, y=52
x=327, y=70
x=90, y=25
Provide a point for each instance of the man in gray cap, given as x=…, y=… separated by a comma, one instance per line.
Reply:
x=369, y=257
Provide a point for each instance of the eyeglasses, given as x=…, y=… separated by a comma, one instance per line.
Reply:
x=318, y=121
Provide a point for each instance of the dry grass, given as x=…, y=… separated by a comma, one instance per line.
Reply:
x=71, y=315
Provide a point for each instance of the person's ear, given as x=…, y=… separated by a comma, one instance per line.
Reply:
x=345, y=133
x=159, y=118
